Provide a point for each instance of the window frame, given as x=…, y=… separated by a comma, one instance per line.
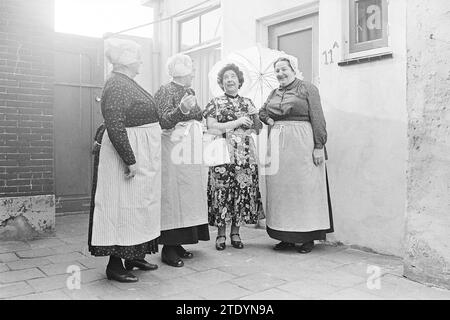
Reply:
x=351, y=49
x=200, y=44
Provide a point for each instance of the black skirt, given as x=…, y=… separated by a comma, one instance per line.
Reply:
x=188, y=235
x=125, y=252
x=302, y=237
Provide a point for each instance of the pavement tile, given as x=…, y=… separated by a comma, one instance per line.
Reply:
x=51, y=295
x=138, y=294
x=75, y=240
x=94, y=262
x=176, y=286
x=309, y=289
x=351, y=294
x=28, y=263
x=209, y=277
x=258, y=282
x=68, y=248
x=165, y=272
x=222, y=291
x=49, y=283
x=20, y=275
x=45, y=243
x=272, y=294
x=88, y=276
x=8, y=257
x=238, y=270
x=15, y=289
x=73, y=256
x=93, y=290
x=3, y=267
x=59, y=268
x=188, y=295
x=35, y=253
x=12, y=246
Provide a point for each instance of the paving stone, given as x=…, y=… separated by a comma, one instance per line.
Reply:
x=176, y=286
x=35, y=253
x=13, y=246
x=258, y=282
x=188, y=295
x=93, y=290
x=351, y=294
x=238, y=270
x=165, y=272
x=75, y=240
x=222, y=291
x=8, y=257
x=51, y=295
x=272, y=294
x=14, y=290
x=209, y=277
x=310, y=289
x=45, y=243
x=49, y=283
x=73, y=256
x=91, y=276
x=20, y=275
x=68, y=248
x=59, y=268
x=28, y=263
x=94, y=263
x=3, y=267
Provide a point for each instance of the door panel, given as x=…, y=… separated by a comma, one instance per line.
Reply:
x=299, y=37
x=78, y=84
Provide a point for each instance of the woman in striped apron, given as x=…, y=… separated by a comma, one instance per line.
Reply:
x=125, y=211
x=298, y=201
x=184, y=217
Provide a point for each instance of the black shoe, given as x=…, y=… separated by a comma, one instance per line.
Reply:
x=183, y=253
x=306, y=247
x=173, y=261
x=283, y=246
x=220, y=246
x=120, y=276
x=236, y=244
x=140, y=264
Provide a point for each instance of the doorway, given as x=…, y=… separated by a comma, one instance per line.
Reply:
x=299, y=37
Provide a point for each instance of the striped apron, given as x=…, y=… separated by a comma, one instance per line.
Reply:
x=184, y=177
x=128, y=211
x=296, y=192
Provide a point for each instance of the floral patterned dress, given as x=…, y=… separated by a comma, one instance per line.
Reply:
x=233, y=189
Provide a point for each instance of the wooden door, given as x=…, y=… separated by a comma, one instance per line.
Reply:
x=78, y=84
x=299, y=37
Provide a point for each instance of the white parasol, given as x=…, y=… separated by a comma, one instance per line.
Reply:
x=259, y=77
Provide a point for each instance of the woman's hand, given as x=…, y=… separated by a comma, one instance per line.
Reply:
x=270, y=122
x=131, y=171
x=244, y=121
x=318, y=156
x=187, y=103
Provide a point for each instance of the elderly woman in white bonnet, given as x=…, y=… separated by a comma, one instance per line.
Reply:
x=298, y=202
x=125, y=207
x=183, y=203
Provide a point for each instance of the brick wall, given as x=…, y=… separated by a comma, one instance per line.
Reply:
x=26, y=97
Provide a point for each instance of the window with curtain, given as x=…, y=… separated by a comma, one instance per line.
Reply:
x=201, y=29
x=368, y=25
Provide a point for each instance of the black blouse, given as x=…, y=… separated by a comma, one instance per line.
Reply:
x=125, y=104
x=168, y=99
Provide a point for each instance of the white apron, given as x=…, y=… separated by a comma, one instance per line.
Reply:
x=297, y=192
x=128, y=211
x=184, y=177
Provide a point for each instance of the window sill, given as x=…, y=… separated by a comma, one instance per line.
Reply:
x=375, y=57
